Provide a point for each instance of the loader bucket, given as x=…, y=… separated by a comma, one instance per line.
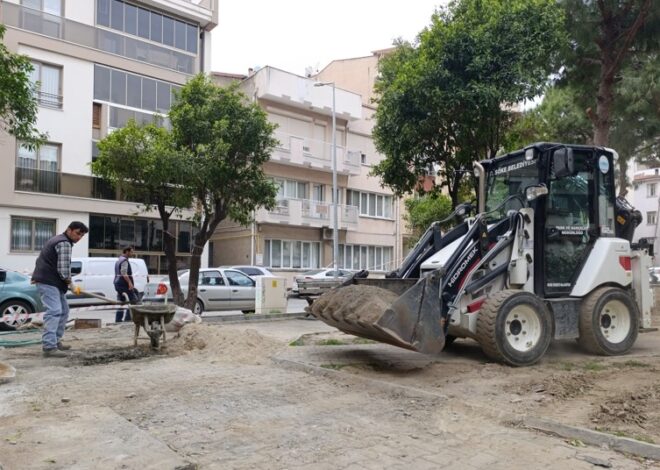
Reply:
x=412, y=320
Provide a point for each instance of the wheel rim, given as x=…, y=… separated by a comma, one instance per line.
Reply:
x=15, y=315
x=522, y=328
x=198, y=308
x=614, y=321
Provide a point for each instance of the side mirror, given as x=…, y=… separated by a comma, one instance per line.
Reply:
x=562, y=162
x=536, y=191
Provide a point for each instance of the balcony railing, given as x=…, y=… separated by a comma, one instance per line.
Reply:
x=90, y=36
x=309, y=213
x=65, y=184
x=314, y=153
x=48, y=100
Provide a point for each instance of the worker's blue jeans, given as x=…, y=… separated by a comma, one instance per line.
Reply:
x=124, y=314
x=56, y=316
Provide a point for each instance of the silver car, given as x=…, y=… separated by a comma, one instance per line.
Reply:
x=218, y=289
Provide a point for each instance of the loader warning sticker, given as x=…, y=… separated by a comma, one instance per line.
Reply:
x=571, y=229
x=603, y=164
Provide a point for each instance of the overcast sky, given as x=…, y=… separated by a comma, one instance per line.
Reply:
x=295, y=34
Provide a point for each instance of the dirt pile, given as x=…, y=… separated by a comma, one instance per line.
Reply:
x=559, y=386
x=353, y=304
x=231, y=346
x=631, y=408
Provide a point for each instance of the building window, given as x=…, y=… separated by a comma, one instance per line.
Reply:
x=373, y=258
x=370, y=204
x=47, y=80
x=135, y=91
x=291, y=189
x=363, y=158
x=38, y=170
x=147, y=24
x=651, y=218
x=650, y=189
x=294, y=254
x=28, y=234
x=52, y=7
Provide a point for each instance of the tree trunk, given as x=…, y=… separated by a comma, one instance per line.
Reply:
x=169, y=246
x=195, y=263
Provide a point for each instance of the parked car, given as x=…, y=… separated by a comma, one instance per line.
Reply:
x=318, y=281
x=18, y=297
x=218, y=289
x=253, y=271
x=97, y=275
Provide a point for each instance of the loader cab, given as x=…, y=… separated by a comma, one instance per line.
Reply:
x=578, y=209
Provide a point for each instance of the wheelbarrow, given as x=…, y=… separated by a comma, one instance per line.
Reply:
x=152, y=318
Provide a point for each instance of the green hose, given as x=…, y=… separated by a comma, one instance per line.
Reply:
x=6, y=343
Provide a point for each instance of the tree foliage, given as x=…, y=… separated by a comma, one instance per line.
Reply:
x=210, y=162
x=18, y=107
x=421, y=212
x=605, y=37
x=442, y=102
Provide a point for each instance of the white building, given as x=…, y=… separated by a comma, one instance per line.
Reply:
x=297, y=235
x=99, y=63
x=646, y=197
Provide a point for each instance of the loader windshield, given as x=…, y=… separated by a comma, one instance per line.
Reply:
x=506, y=178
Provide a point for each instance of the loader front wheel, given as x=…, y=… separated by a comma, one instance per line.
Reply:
x=609, y=322
x=514, y=327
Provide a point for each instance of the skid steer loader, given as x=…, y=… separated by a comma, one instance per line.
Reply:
x=549, y=254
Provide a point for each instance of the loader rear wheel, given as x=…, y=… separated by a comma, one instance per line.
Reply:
x=514, y=327
x=609, y=322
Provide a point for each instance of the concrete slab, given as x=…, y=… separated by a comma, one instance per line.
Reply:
x=81, y=437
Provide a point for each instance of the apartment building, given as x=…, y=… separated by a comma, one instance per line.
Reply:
x=98, y=63
x=297, y=234
x=646, y=197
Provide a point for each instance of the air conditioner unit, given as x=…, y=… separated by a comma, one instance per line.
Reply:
x=327, y=233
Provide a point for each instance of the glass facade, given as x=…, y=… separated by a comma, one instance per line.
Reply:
x=373, y=258
x=138, y=21
x=292, y=254
x=108, y=234
x=370, y=204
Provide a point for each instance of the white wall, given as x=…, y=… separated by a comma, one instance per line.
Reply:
x=70, y=126
x=24, y=262
x=82, y=11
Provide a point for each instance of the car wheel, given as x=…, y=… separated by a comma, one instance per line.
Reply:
x=15, y=312
x=199, y=308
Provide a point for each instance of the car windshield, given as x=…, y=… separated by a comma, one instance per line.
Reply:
x=312, y=272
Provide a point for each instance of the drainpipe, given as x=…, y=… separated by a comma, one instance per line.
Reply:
x=253, y=236
x=201, y=50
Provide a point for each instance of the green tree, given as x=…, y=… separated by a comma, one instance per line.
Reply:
x=144, y=164
x=211, y=162
x=557, y=119
x=227, y=139
x=422, y=211
x=443, y=101
x=605, y=37
x=18, y=107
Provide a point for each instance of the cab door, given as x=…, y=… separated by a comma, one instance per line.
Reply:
x=570, y=224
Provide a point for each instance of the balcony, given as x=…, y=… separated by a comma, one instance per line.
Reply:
x=64, y=184
x=315, y=154
x=305, y=212
x=97, y=38
x=48, y=100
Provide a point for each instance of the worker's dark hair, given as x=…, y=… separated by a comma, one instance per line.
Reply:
x=126, y=249
x=76, y=225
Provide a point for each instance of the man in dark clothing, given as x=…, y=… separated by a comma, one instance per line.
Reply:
x=124, y=284
x=52, y=274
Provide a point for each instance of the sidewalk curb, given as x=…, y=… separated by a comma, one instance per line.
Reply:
x=621, y=444
x=252, y=317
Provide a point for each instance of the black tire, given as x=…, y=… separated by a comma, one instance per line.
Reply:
x=609, y=322
x=15, y=312
x=199, y=308
x=514, y=327
x=449, y=340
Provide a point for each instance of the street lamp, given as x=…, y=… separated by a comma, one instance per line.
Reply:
x=335, y=229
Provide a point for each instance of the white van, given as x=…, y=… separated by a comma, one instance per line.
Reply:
x=97, y=275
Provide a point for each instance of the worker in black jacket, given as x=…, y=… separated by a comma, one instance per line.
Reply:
x=52, y=274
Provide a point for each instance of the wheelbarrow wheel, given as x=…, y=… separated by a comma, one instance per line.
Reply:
x=155, y=340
